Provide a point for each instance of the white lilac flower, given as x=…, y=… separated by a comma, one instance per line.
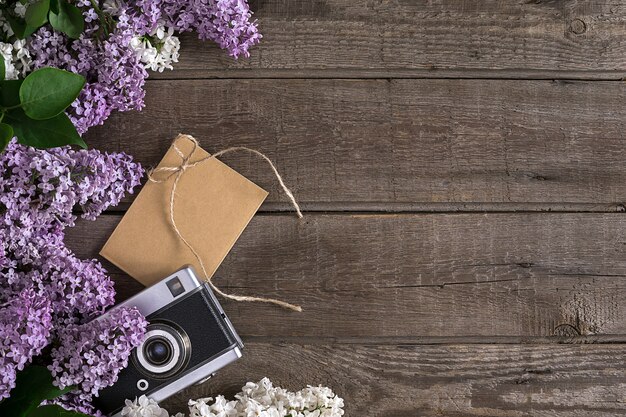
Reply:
x=158, y=50
x=5, y=27
x=6, y=50
x=143, y=407
x=262, y=399
x=21, y=57
x=111, y=7
x=17, y=60
x=146, y=52
x=20, y=9
x=219, y=407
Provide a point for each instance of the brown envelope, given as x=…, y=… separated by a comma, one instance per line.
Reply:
x=213, y=204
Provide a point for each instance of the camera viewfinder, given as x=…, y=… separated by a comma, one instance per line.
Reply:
x=175, y=286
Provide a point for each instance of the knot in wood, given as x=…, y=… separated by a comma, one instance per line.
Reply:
x=577, y=26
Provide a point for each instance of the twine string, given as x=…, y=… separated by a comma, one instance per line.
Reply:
x=178, y=171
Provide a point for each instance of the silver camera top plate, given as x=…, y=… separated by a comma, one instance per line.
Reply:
x=160, y=294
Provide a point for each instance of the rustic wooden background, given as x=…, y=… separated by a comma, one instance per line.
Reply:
x=463, y=170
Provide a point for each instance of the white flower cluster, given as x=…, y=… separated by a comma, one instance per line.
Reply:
x=17, y=59
x=111, y=7
x=145, y=407
x=158, y=50
x=19, y=9
x=260, y=399
x=265, y=400
x=16, y=56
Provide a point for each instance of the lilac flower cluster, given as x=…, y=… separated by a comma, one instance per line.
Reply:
x=225, y=22
x=47, y=294
x=125, y=37
x=90, y=355
x=25, y=329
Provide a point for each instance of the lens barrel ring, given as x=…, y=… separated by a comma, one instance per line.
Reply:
x=165, y=350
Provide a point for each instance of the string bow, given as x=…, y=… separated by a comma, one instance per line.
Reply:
x=179, y=170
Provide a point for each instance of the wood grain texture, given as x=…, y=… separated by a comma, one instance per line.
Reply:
x=416, y=276
x=364, y=38
x=456, y=380
x=386, y=144
x=391, y=106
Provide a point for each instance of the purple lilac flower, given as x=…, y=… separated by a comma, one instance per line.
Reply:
x=226, y=22
x=44, y=287
x=76, y=402
x=38, y=191
x=42, y=187
x=115, y=76
x=25, y=328
x=113, y=69
x=91, y=355
x=142, y=15
x=77, y=289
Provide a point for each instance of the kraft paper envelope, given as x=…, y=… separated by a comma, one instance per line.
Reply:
x=213, y=205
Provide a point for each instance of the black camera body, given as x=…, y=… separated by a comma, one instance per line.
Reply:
x=189, y=337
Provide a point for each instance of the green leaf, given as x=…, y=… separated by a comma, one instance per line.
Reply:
x=18, y=26
x=29, y=30
x=6, y=134
x=50, y=133
x=2, y=68
x=48, y=91
x=67, y=19
x=36, y=16
x=54, y=411
x=33, y=385
x=37, y=13
x=10, y=93
x=54, y=7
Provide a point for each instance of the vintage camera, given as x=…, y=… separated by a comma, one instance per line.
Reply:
x=187, y=340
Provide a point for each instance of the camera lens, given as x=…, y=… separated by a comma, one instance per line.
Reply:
x=158, y=351
x=165, y=350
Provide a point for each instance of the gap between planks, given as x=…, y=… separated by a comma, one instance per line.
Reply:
x=351, y=208
x=442, y=340
x=370, y=74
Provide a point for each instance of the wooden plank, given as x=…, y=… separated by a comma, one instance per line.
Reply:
x=361, y=38
x=368, y=143
x=458, y=380
x=414, y=276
